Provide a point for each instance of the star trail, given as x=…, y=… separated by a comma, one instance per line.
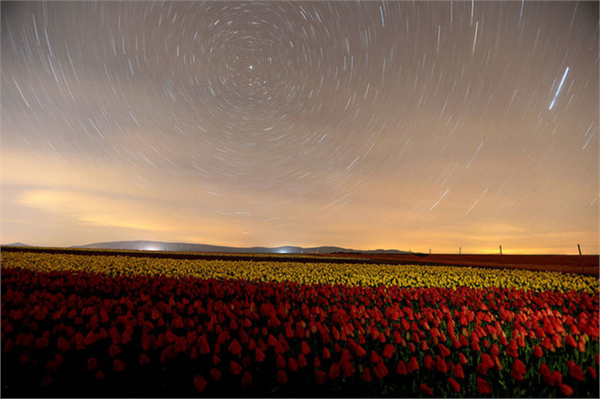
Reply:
x=358, y=124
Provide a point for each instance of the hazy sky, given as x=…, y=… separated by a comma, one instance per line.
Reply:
x=407, y=125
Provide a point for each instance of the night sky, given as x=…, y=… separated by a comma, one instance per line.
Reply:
x=407, y=125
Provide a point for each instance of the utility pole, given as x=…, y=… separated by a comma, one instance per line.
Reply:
x=580, y=258
x=501, y=260
x=459, y=249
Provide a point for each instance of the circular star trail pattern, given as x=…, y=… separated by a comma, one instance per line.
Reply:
x=359, y=124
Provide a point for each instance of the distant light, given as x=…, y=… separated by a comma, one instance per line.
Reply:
x=250, y=67
x=152, y=249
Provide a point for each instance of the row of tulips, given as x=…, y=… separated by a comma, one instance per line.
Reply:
x=67, y=333
x=306, y=273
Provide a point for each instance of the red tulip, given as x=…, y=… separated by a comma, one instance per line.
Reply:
x=388, y=350
x=114, y=350
x=118, y=365
x=570, y=342
x=348, y=369
x=281, y=377
x=246, y=379
x=304, y=348
x=235, y=367
x=592, y=372
x=575, y=371
x=92, y=363
x=200, y=383
x=326, y=353
x=359, y=350
x=51, y=366
x=194, y=353
x=144, y=359
x=316, y=362
x=375, y=357
x=441, y=365
x=41, y=342
x=99, y=376
x=428, y=362
x=566, y=389
x=90, y=338
x=380, y=370
x=401, y=368
x=413, y=365
x=235, y=348
x=334, y=371
x=458, y=372
x=544, y=370
x=301, y=360
x=444, y=351
x=556, y=376
x=462, y=359
x=321, y=377
x=519, y=366
x=454, y=385
x=424, y=389
x=215, y=374
x=292, y=364
x=259, y=355
x=483, y=387
x=280, y=361
x=203, y=343
x=366, y=375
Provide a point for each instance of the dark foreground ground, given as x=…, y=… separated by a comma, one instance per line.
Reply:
x=586, y=264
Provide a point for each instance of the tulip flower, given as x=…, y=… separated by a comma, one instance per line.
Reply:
x=118, y=365
x=144, y=359
x=281, y=377
x=334, y=371
x=366, y=375
x=235, y=348
x=320, y=377
x=575, y=371
x=92, y=363
x=424, y=389
x=348, y=369
x=235, y=367
x=280, y=361
x=215, y=374
x=304, y=348
x=401, y=368
x=200, y=383
x=455, y=386
x=458, y=372
x=413, y=365
x=566, y=389
x=483, y=387
x=441, y=365
x=246, y=379
x=592, y=372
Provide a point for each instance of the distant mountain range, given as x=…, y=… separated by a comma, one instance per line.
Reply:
x=181, y=247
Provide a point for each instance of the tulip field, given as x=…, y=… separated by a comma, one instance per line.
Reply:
x=114, y=325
